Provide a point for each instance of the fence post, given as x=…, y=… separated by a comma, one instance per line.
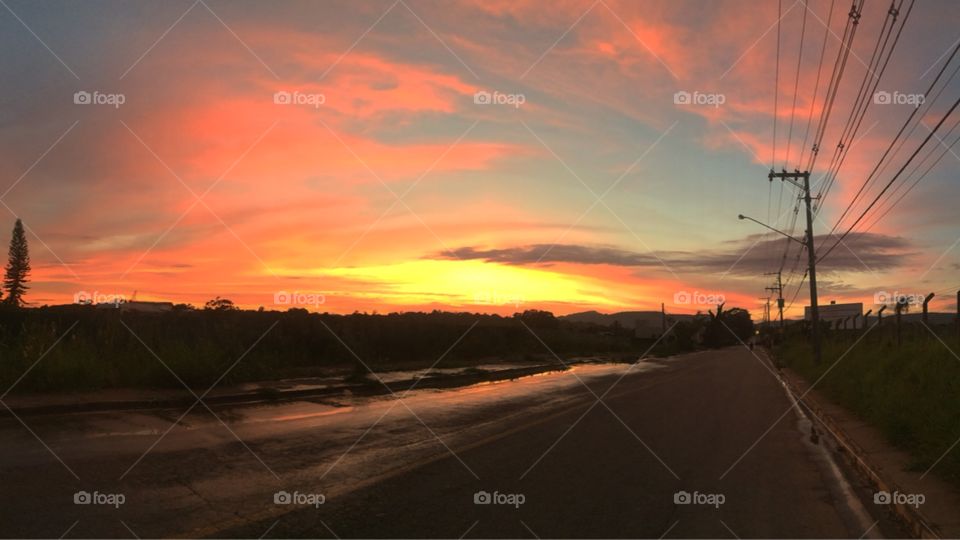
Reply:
x=925, y=302
x=896, y=310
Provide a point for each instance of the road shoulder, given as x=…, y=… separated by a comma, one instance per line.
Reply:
x=887, y=468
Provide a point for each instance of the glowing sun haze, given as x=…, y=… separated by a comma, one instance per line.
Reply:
x=346, y=149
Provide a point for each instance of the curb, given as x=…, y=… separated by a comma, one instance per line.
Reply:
x=372, y=388
x=914, y=520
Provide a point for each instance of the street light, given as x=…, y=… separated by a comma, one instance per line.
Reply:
x=742, y=217
x=779, y=287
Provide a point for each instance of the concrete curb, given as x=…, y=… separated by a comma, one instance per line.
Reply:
x=915, y=521
x=372, y=388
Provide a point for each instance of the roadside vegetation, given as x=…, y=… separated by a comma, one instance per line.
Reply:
x=911, y=392
x=85, y=347
x=707, y=330
x=104, y=348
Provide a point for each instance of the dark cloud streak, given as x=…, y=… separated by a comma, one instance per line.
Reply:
x=868, y=252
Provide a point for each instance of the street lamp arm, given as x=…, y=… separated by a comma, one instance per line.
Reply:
x=801, y=242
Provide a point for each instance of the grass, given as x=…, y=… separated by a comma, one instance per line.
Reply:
x=81, y=348
x=910, y=392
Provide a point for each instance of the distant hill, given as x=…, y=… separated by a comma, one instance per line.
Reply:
x=627, y=319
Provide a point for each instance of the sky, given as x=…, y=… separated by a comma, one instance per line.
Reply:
x=488, y=156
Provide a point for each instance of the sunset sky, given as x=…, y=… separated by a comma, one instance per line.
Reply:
x=588, y=187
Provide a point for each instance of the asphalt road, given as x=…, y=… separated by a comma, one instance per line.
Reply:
x=556, y=461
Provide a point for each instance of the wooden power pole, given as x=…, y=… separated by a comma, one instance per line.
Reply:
x=779, y=290
x=802, y=181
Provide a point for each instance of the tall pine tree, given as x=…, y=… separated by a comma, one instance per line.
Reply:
x=18, y=266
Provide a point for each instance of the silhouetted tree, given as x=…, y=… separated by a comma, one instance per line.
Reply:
x=727, y=327
x=18, y=266
x=536, y=318
x=220, y=304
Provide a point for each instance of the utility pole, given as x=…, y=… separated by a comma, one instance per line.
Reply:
x=779, y=291
x=663, y=318
x=802, y=180
x=766, y=311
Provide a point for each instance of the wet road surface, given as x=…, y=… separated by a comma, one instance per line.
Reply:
x=701, y=445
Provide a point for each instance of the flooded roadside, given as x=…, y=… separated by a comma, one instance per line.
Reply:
x=333, y=384
x=266, y=420
x=238, y=457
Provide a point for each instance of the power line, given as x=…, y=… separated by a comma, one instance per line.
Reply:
x=797, y=292
x=796, y=83
x=928, y=103
x=947, y=149
x=829, y=98
x=849, y=32
x=776, y=87
x=816, y=84
x=859, y=110
x=892, y=180
x=893, y=142
x=806, y=134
